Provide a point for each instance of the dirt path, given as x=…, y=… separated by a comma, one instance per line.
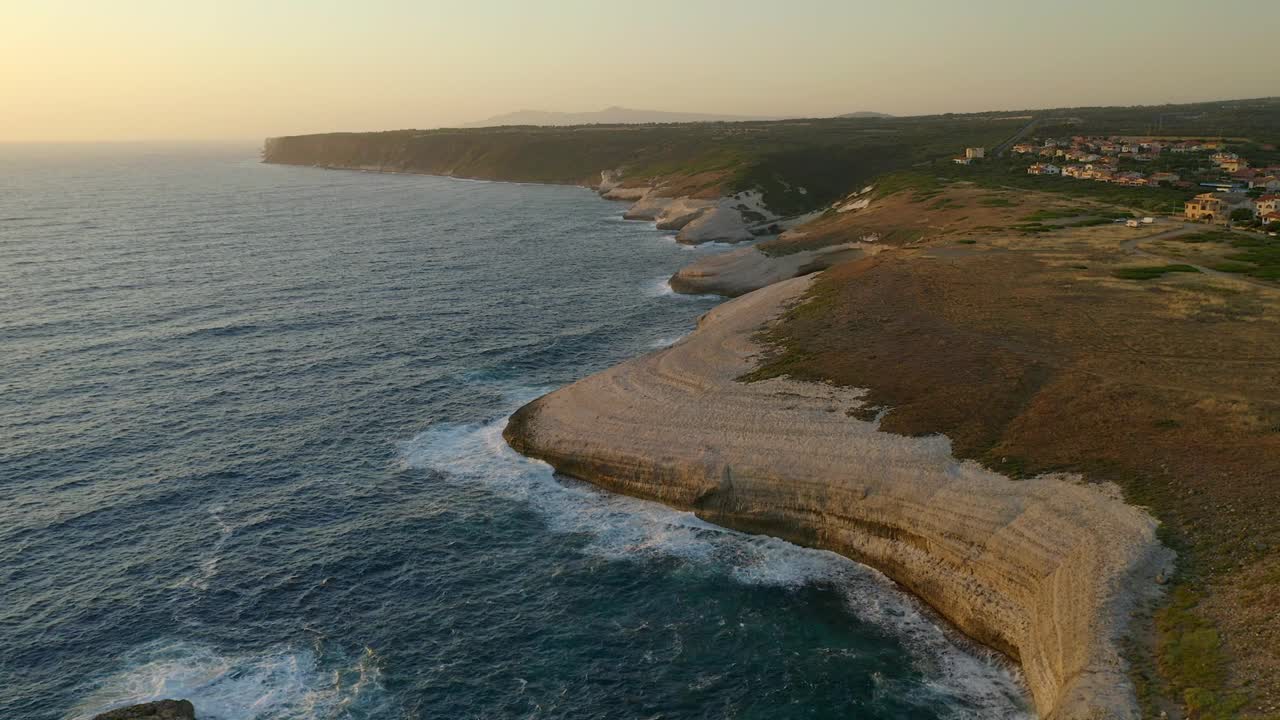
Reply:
x=1131, y=247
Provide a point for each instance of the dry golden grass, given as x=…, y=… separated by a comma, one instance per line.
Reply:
x=1031, y=354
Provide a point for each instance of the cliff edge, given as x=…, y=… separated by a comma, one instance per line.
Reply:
x=1045, y=570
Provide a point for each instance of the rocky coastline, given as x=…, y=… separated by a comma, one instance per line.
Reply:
x=1045, y=570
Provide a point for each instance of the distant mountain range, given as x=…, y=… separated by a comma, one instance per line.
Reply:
x=608, y=116
x=625, y=116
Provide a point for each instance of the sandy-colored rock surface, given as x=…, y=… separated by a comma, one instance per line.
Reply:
x=625, y=193
x=721, y=223
x=682, y=211
x=739, y=272
x=648, y=207
x=1043, y=569
x=697, y=220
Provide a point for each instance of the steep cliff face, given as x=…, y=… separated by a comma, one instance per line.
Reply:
x=796, y=167
x=1044, y=570
x=695, y=220
x=551, y=157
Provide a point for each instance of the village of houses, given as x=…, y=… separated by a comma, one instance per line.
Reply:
x=1234, y=191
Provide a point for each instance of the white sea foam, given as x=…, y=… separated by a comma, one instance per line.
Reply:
x=211, y=557
x=621, y=528
x=668, y=341
x=661, y=287
x=278, y=684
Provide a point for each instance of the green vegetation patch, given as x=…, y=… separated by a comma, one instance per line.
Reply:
x=1090, y=222
x=1011, y=174
x=1035, y=228
x=1189, y=651
x=1204, y=237
x=1258, y=257
x=917, y=182
x=1262, y=253
x=1040, y=227
x=1228, y=266
x=1150, y=272
x=996, y=201
x=1057, y=214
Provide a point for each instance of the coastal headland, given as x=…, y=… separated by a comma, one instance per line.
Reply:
x=1031, y=568
x=1012, y=394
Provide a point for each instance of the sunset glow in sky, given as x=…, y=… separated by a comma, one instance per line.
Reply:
x=240, y=69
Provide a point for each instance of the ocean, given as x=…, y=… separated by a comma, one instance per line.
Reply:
x=251, y=456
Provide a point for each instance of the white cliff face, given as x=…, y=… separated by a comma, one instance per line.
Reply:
x=722, y=223
x=682, y=211
x=1045, y=570
x=630, y=194
x=860, y=200
x=728, y=219
x=609, y=179
x=648, y=207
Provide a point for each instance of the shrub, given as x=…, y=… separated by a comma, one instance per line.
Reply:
x=1149, y=272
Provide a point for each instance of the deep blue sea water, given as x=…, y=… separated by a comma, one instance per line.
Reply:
x=250, y=455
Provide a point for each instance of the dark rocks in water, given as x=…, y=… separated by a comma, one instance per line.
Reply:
x=159, y=710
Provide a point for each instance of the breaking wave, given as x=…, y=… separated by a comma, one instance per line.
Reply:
x=972, y=681
x=279, y=684
x=661, y=287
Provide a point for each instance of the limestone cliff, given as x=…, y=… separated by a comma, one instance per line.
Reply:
x=1044, y=570
x=732, y=219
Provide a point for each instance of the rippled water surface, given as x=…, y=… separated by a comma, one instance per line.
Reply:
x=250, y=455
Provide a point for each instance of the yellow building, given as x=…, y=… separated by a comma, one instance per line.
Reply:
x=1217, y=207
x=1206, y=206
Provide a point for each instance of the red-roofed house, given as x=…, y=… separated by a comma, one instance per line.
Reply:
x=1267, y=204
x=1270, y=183
x=1216, y=207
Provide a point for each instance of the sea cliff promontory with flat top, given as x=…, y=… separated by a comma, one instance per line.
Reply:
x=1046, y=406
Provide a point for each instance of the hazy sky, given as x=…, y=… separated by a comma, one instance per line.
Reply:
x=169, y=69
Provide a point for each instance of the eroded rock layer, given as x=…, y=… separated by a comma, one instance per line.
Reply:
x=1044, y=570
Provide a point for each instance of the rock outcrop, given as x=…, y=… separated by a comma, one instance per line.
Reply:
x=1044, y=570
x=738, y=272
x=728, y=219
x=159, y=710
x=722, y=222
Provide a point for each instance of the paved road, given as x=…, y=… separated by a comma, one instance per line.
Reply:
x=1003, y=147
